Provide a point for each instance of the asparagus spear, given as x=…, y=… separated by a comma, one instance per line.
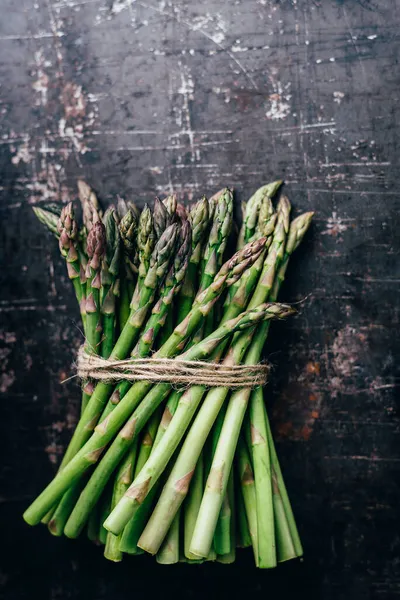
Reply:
x=122, y=482
x=199, y=219
x=213, y=402
x=109, y=281
x=91, y=208
x=104, y=470
x=49, y=214
x=128, y=336
x=222, y=462
x=67, y=231
x=170, y=440
x=247, y=492
x=91, y=451
x=95, y=249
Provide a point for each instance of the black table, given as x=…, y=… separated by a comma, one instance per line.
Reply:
x=142, y=98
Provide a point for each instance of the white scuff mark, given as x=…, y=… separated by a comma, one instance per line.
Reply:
x=334, y=226
x=23, y=153
x=239, y=49
x=73, y=133
x=184, y=118
x=338, y=97
x=120, y=5
x=225, y=91
x=41, y=83
x=218, y=37
x=279, y=107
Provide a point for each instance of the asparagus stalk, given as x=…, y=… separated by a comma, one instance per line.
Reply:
x=49, y=214
x=122, y=482
x=169, y=551
x=91, y=208
x=95, y=250
x=159, y=458
x=67, y=230
x=222, y=462
x=199, y=219
x=91, y=451
x=109, y=281
x=212, y=404
x=288, y=539
x=128, y=230
x=171, y=287
x=159, y=263
x=262, y=473
x=248, y=492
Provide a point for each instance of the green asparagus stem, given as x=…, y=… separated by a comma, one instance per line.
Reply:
x=262, y=473
x=248, y=490
x=243, y=531
x=217, y=480
x=288, y=539
x=134, y=528
x=96, y=243
x=253, y=207
x=127, y=231
x=109, y=281
x=192, y=446
x=67, y=230
x=159, y=458
x=199, y=219
x=170, y=289
x=91, y=451
x=169, y=551
x=122, y=482
x=192, y=504
x=228, y=522
x=159, y=264
x=49, y=214
x=218, y=238
x=120, y=445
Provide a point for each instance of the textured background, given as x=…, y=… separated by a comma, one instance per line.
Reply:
x=143, y=98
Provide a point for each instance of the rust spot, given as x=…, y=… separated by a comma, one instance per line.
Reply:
x=285, y=429
x=313, y=368
x=305, y=432
x=73, y=100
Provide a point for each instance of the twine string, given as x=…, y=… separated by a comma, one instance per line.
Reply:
x=171, y=370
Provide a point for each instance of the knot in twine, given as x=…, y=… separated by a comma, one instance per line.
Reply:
x=171, y=370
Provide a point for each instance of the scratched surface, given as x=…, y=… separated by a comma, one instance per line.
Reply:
x=149, y=97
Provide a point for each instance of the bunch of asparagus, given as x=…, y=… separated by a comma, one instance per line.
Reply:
x=184, y=474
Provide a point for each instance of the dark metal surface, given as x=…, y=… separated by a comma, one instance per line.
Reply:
x=146, y=97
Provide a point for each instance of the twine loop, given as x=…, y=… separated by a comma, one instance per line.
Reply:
x=171, y=370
